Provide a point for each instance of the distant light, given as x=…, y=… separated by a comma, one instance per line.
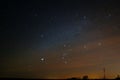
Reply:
x=84, y=17
x=69, y=45
x=64, y=45
x=41, y=35
x=64, y=54
x=42, y=59
x=85, y=46
x=109, y=14
x=65, y=62
x=63, y=57
x=69, y=49
x=99, y=43
x=35, y=14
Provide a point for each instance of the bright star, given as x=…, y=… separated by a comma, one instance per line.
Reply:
x=42, y=59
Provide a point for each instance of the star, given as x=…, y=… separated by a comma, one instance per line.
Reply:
x=65, y=62
x=55, y=16
x=99, y=44
x=35, y=14
x=69, y=49
x=42, y=59
x=63, y=57
x=64, y=45
x=77, y=14
x=64, y=54
x=41, y=35
x=84, y=17
x=69, y=45
x=109, y=15
x=84, y=46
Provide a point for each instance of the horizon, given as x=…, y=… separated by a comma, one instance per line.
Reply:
x=60, y=38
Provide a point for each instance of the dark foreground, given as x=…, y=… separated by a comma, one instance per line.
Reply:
x=54, y=79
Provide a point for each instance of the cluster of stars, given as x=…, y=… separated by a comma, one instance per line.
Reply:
x=64, y=55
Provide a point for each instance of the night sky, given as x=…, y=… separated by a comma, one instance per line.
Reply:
x=59, y=38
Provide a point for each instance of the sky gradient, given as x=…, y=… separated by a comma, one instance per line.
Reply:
x=60, y=38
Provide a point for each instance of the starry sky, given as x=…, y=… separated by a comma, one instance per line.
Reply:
x=59, y=38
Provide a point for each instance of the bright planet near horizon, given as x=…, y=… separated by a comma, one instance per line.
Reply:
x=59, y=39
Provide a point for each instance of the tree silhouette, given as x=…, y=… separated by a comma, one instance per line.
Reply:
x=118, y=77
x=85, y=77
